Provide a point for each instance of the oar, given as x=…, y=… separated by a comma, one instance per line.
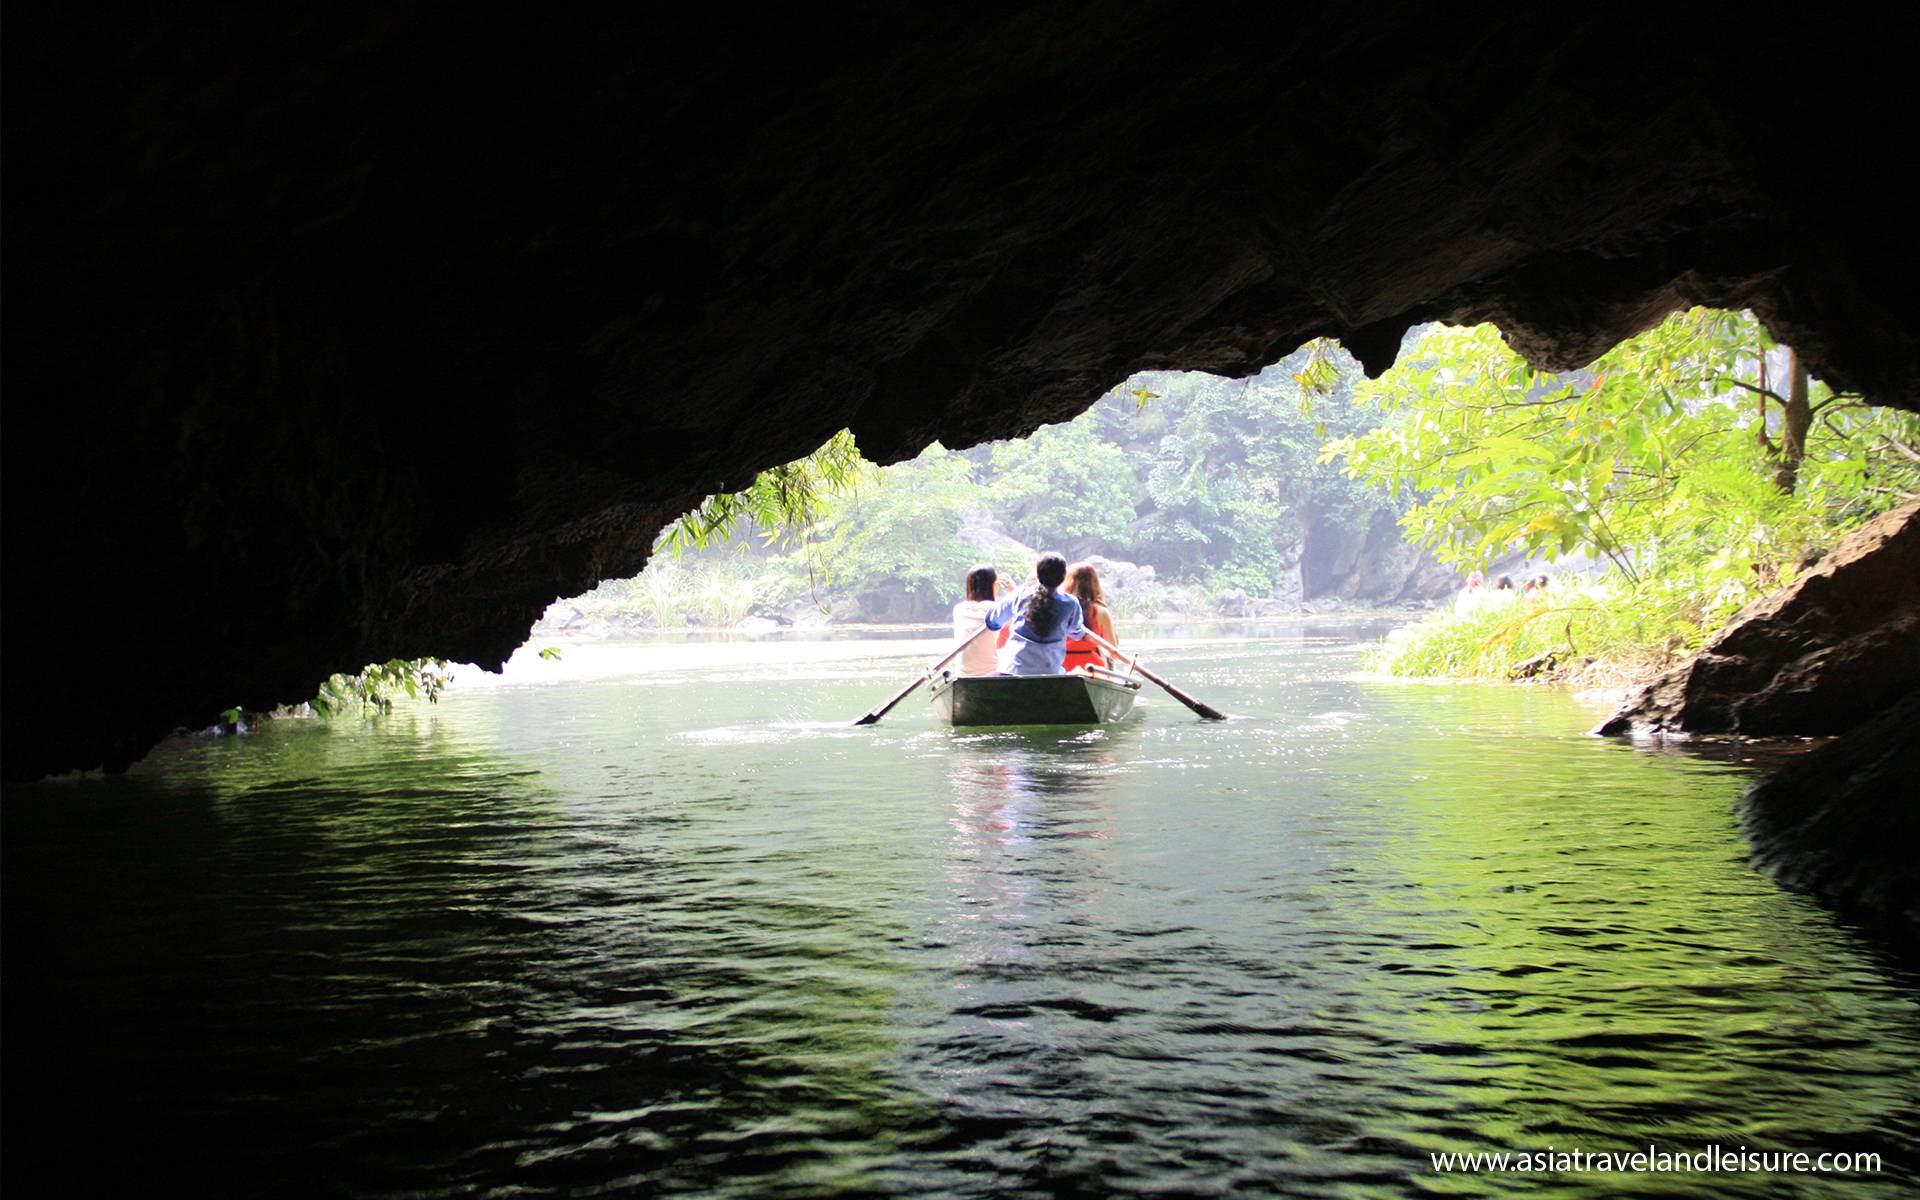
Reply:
x=1200, y=706
x=874, y=716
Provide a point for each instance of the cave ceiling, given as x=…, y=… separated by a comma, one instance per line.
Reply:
x=365, y=331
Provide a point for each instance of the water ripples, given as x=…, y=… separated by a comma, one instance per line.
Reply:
x=582, y=939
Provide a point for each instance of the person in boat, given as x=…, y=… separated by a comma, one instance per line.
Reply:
x=969, y=616
x=1083, y=584
x=1042, y=618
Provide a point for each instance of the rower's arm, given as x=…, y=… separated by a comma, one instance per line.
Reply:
x=1001, y=613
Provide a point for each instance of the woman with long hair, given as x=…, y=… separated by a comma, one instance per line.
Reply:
x=1083, y=584
x=969, y=616
x=1042, y=619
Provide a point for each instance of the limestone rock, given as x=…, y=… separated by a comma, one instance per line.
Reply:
x=1823, y=654
x=1233, y=602
x=981, y=530
x=1119, y=577
x=1370, y=565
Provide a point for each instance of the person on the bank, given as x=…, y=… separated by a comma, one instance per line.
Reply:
x=1083, y=584
x=969, y=616
x=1042, y=618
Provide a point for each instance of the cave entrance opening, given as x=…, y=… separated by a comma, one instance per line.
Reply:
x=1308, y=486
x=1193, y=494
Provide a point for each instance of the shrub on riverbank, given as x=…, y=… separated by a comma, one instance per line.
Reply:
x=1603, y=634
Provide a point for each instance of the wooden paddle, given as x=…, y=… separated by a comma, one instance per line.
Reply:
x=1200, y=706
x=874, y=716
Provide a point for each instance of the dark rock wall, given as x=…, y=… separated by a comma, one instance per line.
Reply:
x=360, y=331
x=1842, y=821
x=1831, y=650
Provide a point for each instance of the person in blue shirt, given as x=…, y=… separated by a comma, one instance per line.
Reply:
x=1042, y=617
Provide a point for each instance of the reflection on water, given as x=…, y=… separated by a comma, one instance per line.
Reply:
x=666, y=926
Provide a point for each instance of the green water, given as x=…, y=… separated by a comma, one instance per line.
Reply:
x=656, y=919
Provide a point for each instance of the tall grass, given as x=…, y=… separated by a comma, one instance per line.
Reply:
x=1604, y=633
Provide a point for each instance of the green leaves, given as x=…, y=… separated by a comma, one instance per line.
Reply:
x=906, y=529
x=1063, y=487
x=783, y=505
x=374, y=687
x=1319, y=374
x=1647, y=459
x=1511, y=458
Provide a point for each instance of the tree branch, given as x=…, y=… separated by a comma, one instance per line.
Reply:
x=1902, y=448
x=1842, y=407
x=1756, y=389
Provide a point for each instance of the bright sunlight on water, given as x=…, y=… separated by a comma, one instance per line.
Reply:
x=657, y=919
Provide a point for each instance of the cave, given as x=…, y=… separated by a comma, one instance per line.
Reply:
x=362, y=333
x=341, y=338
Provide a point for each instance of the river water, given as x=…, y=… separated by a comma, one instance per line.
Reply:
x=657, y=920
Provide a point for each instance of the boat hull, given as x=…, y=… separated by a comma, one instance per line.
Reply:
x=1032, y=700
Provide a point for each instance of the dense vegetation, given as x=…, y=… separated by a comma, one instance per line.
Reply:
x=1216, y=483
x=1697, y=461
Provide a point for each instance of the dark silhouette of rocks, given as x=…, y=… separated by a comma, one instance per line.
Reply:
x=1843, y=820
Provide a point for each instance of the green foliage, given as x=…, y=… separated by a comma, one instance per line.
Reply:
x=1321, y=367
x=378, y=685
x=907, y=529
x=782, y=504
x=1671, y=458
x=1064, y=488
x=1237, y=465
x=1655, y=455
x=1141, y=602
x=1596, y=633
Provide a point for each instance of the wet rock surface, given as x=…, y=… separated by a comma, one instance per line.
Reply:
x=1831, y=650
x=1842, y=821
x=367, y=333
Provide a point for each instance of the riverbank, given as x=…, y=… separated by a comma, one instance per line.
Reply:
x=1588, y=637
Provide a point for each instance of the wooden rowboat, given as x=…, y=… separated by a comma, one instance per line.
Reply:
x=1032, y=699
